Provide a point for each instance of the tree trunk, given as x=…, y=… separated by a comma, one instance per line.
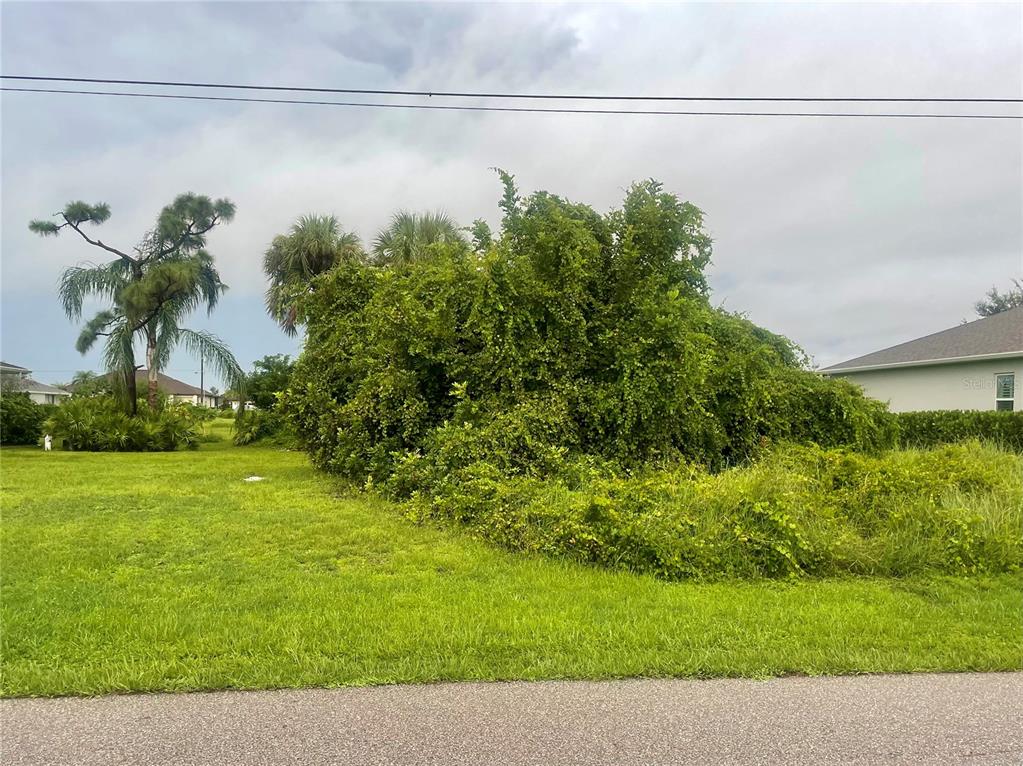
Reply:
x=131, y=391
x=151, y=371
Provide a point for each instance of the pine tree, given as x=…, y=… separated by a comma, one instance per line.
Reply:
x=150, y=290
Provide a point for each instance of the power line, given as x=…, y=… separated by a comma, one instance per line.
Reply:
x=79, y=369
x=552, y=96
x=542, y=110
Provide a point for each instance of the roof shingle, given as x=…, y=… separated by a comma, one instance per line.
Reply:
x=167, y=384
x=998, y=334
x=35, y=387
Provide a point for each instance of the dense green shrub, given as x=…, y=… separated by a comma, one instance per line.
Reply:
x=569, y=389
x=266, y=426
x=924, y=429
x=573, y=332
x=799, y=511
x=194, y=413
x=99, y=424
x=21, y=419
x=269, y=376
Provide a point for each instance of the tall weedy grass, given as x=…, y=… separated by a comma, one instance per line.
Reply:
x=802, y=510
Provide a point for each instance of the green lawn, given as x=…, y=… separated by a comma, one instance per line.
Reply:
x=131, y=572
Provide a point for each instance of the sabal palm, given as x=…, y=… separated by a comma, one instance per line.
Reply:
x=314, y=244
x=408, y=235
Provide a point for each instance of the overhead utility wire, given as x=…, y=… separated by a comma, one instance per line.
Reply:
x=551, y=96
x=543, y=110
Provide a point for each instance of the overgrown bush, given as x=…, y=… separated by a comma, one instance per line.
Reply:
x=269, y=376
x=568, y=389
x=924, y=429
x=800, y=511
x=99, y=424
x=264, y=426
x=21, y=419
x=573, y=332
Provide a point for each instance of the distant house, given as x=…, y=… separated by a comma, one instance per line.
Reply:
x=975, y=366
x=176, y=390
x=234, y=403
x=16, y=378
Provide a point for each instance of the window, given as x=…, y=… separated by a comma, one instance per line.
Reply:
x=1005, y=392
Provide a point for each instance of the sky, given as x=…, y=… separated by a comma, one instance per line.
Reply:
x=845, y=235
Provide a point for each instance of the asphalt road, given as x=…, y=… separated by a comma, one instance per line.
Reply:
x=916, y=719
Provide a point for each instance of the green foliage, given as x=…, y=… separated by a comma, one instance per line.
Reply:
x=410, y=236
x=481, y=235
x=163, y=283
x=662, y=229
x=78, y=282
x=269, y=377
x=44, y=228
x=195, y=413
x=567, y=388
x=925, y=429
x=599, y=322
x=149, y=292
x=182, y=226
x=98, y=424
x=21, y=419
x=315, y=244
x=268, y=427
x=800, y=511
x=88, y=383
x=74, y=214
x=996, y=302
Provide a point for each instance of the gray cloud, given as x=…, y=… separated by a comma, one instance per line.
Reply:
x=845, y=235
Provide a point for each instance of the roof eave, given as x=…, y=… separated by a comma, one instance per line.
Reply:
x=922, y=362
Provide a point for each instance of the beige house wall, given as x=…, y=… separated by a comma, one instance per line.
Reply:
x=954, y=386
x=207, y=401
x=41, y=398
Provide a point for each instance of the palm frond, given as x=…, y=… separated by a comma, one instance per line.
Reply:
x=79, y=282
x=408, y=236
x=167, y=335
x=200, y=343
x=314, y=244
x=119, y=350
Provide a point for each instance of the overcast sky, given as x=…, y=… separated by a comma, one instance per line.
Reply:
x=845, y=235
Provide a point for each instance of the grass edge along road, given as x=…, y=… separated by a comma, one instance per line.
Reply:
x=168, y=572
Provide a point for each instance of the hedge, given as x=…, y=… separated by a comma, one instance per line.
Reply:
x=930, y=428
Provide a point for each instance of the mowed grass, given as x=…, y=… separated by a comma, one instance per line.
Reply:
x=145, y=572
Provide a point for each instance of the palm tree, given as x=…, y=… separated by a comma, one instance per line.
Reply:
x=151, y=291
x=106, y=281
x=158, y=322
x=313, y=245
x=87, y=383
x=408, y=235
x=168, y=333
x=173, y=289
